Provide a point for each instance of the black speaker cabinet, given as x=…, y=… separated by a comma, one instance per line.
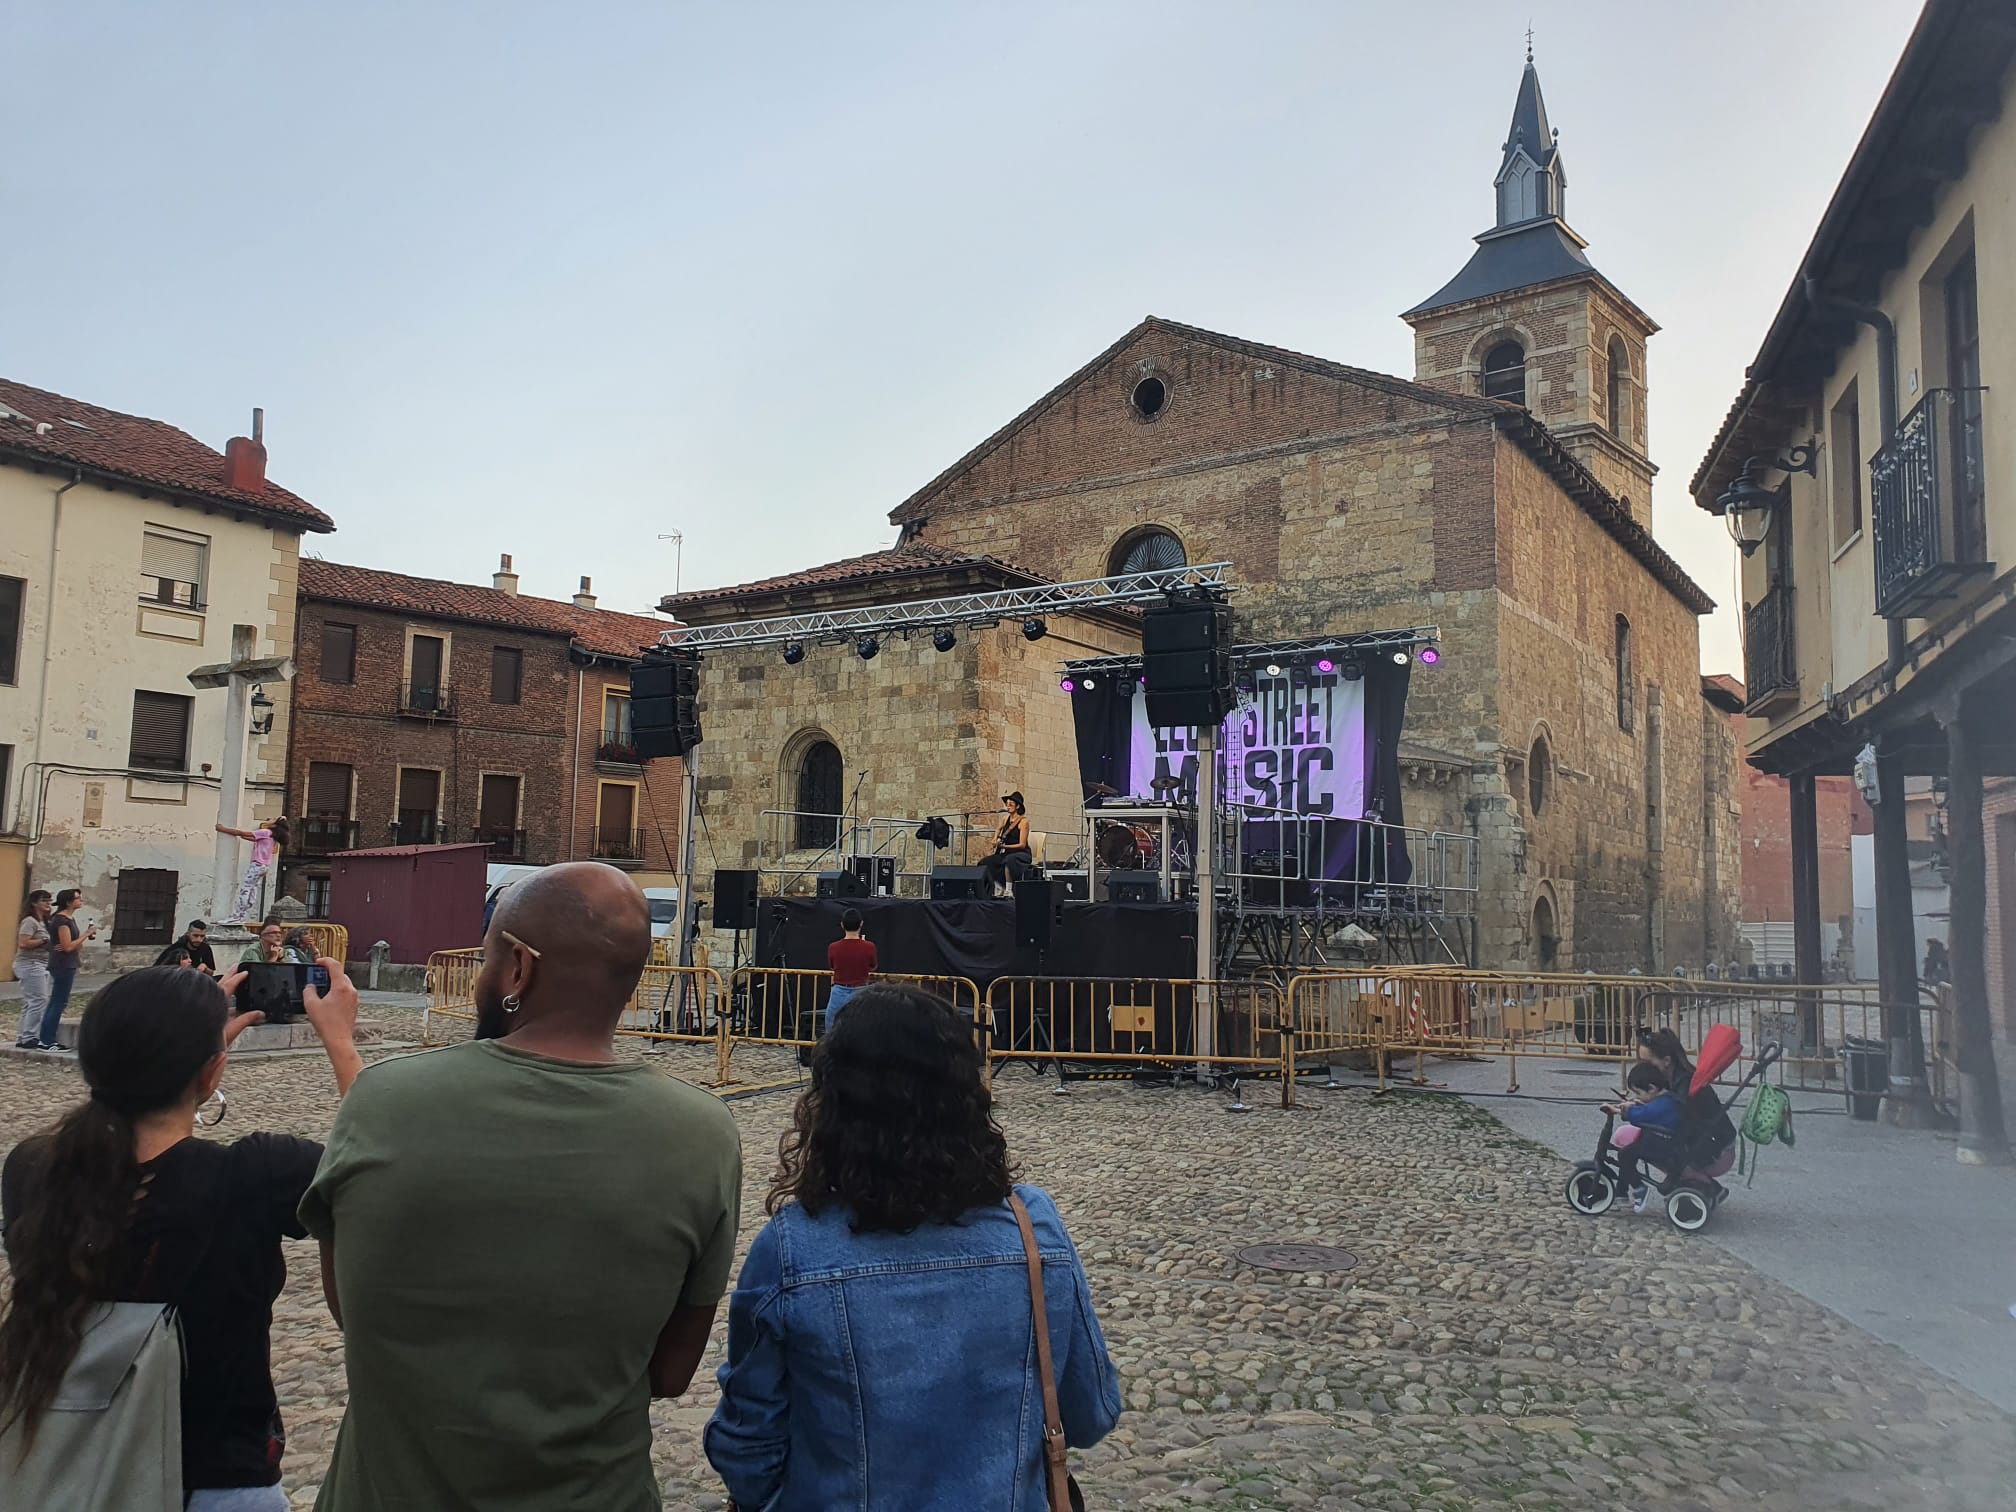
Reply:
x=841, y=884
x=877, y=873
x=1133, y=887
x=735, y=900
x=1075, y=885
x=1038, y=905
x=959, y=882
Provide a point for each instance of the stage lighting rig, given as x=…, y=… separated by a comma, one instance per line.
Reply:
x=943, y=640
x=867, y=648
x=794, y=654
x=1035, y=628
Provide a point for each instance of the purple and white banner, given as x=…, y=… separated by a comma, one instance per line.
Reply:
x=1298, y=746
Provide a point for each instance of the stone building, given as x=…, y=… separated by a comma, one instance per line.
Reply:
x=433, y=712
x=1503, y=494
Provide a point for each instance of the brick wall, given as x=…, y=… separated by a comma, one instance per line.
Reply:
x=1767, y=847
x=657, y=801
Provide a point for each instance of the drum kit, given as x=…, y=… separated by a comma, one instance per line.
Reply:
x=1129, y=845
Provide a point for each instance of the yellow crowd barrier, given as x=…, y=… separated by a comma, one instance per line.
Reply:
x=786, y=1005
x=1097, y=1022
x=451, y=992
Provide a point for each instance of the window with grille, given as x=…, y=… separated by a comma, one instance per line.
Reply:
x=143, y=913
x=820, y=778
x=339, y=654
x=13, y=592
x=419, y=802
x=507, y=665
x=1147, y=550
x=1505, y=372
x=160, y=740
x=173, y=567
x=318, y=898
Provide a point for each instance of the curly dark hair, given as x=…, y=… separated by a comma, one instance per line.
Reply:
x=141, y=1046
x=897, y=1127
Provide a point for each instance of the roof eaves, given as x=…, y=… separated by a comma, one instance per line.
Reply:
x=304, y=517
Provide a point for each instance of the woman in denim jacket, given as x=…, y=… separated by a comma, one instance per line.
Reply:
x=880, y=1349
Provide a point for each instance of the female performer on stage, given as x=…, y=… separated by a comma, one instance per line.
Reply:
x=1011, y=844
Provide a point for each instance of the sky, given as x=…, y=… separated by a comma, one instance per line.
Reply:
x=558, y=280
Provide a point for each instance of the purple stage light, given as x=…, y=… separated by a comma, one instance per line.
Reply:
x=1430, y=656
x=1324, y=664
x=1068, y=686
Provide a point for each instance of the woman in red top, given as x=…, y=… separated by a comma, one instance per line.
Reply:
x=851, y=959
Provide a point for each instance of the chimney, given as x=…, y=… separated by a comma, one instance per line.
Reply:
x=505, y=580
x=245, y=458
x=584, y=599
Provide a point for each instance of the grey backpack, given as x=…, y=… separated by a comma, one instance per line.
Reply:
x=113, y=1435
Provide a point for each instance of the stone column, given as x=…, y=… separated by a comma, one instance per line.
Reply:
x=1982, y=1137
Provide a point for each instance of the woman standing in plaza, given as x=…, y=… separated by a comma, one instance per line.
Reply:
x=881, y=1341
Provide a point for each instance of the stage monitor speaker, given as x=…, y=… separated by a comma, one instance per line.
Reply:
x=959, y=882
x=1133, y=887
x=1075, y=885
x=841, y=884
x=1039, y=907
x=735, y=905
x=877, y=873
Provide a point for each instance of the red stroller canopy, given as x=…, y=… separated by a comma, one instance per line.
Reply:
x=1719, y=1051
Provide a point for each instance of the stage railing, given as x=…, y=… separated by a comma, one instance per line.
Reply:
x=1441, y=866
x=451, y=992
x=1100, y=1022
x=779, y=855
x=1431, y=1010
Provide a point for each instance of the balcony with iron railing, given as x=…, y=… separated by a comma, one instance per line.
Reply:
x=505, y=844
x=413, y=827
x=424, y=701
x=617, y=747
x=1928, y=504
x=325, y=834
x=622, y=846
x=1770, y=671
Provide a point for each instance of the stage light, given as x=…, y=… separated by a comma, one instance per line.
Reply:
x=1402, y=657
x=1325, y=665
x=793, y=654
x=867, y=647
x=1272, y=669
x=1033, y=628
x=1068, y=686
x=1088, y=682
x=1352, y=670
x=1430, y=656
x=943, y=640
x=1126, y=687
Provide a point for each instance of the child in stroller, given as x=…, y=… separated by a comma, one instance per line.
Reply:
x=1652, y=1119
x=1700, y=1148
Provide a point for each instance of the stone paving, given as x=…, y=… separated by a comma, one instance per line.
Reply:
x=1490, y=1350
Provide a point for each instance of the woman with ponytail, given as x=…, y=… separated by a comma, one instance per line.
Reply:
x=119, y=1202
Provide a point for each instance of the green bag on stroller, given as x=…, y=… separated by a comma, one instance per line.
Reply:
x=1768, y=1117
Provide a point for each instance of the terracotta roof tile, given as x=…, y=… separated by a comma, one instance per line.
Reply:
x=912, y=557
x=605, y=632
x=135, y=449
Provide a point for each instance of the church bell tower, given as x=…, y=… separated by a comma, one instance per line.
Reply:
x=1531, y=321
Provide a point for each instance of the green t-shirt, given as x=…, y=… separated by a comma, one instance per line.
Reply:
x=512, y=1233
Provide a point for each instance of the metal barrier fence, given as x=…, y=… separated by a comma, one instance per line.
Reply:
x=331, y=940
x=786, y=1005
x=1429, y=1010
x=680, y=1005
x=1105, y=1021
x=451, y=991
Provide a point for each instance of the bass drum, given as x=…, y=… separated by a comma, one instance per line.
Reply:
x=1126, y=847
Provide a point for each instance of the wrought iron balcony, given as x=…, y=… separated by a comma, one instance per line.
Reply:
x=421, y=701
x=413, y=827
x=1770, y=671
x=324, y=834
x=1929, y=505
x=505, y=844
x=617, y=748
x=618, y=844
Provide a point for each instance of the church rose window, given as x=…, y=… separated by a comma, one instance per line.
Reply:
x=1147, y=551
x=1505, y=372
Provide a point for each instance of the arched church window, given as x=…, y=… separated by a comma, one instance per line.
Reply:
x=1620, y=387
x=1505, y=372
x=1539, y=775
x=819, y=799
x=1150, y=549
x=1625, y=680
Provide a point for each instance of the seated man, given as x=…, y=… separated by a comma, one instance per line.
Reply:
x=196, y=941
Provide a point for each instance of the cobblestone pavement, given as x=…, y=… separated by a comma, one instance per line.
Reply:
x=1490, y=1350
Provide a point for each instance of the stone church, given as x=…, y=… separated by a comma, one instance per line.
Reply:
x=1502, y=494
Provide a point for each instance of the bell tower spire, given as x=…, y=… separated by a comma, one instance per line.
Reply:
x=1529, y=318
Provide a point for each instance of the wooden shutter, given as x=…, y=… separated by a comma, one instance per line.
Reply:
x=12, y=591
x=615, y=810
x=498, y=807
x=160, y=732
x=506, y=667
x=419, y=789
x=328, y=788
x=339, y=654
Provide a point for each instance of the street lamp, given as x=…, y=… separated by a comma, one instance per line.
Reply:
x=262, y=711
x=1747, y=505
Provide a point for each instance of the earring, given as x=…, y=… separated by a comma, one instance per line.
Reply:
x=223, y=1107
x=512, y=1002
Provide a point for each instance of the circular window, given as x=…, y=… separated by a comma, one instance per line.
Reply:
x=1151, y=550
x=1151, y=397
x=1539, y=775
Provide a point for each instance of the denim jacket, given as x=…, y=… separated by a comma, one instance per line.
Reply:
x=899, y=1370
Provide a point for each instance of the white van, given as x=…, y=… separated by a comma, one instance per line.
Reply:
x=663, y=901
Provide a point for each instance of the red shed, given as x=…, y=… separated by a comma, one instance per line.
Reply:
x=417, y=898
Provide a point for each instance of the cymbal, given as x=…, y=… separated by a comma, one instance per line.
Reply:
x=1166, y=784
x=1101, y=790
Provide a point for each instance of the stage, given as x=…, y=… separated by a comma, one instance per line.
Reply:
x=975, y=938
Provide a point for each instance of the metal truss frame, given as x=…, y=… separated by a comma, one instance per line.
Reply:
x=971, y=610
x=1250, y=654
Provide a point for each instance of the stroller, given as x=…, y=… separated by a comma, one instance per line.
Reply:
x=1706, y=1143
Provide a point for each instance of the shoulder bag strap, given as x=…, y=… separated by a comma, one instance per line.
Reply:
x=1057, y=1480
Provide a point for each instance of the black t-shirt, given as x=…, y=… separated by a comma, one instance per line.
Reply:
x=206, y=1236
x=62, y=929
x=199, y=955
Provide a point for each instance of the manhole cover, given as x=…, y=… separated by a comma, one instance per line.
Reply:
x=1298, y=1257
